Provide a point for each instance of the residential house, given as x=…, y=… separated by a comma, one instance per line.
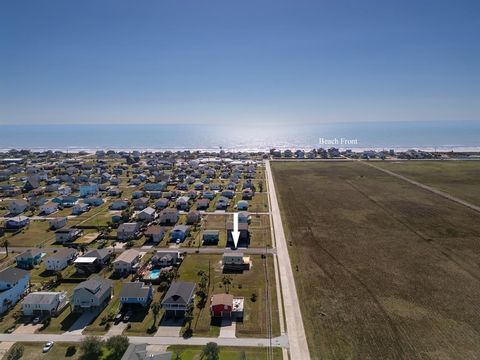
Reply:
x=244, y=238
x=182, y=203
x=57, y=223
x=92, y=261
x=244, y=217
x=165, y=258
x=44, y=303
x=63, y=236
x=148, y=214
x=203, y=204
x=80, y=208
x=193, y=217
x=210, y=195
x=235, y=261
x=211, y=237
x=160, y=186
x=93, y=201
x=155, y=233
x=92, y=294
x=141, y=203
x=32, y=183
x=179, y=233
x=127, y=262
x=222, y=203
x=228, y=194
x=13, y=285
x=226, y=306
x=178, y=298
x=242, y=205
x=168, y=216
x=139, y=352
x=128, y=231
x=60, y=259
x=247, y=194
x=119, y=205
x=17, y=206
x=29, y=259
x=48, y=208
x=17, y=222
x=161, y=203
x=88, y=190
x=136, y=293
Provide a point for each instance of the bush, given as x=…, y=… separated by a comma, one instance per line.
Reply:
x=15, y=352
x=117, y=345
x=91, y=348
x=71, y=350
x=253, y=297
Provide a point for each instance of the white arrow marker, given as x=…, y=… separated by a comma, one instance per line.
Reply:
x=235, y=232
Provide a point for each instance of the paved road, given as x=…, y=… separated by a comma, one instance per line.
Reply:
x=293, y=315
x=426, y=187
x=281, y=341
x=191, y=250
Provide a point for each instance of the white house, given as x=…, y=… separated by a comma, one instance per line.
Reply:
x=57, y=223
x=49, y=208
x=60, y=259
x=87, y=190
x=126, y=262
x=147, y=214
x=44, y=303
x=13, y=284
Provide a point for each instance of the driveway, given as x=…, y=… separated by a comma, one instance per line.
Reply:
x=117, y=329
x=227, y=330
x=81, y=323
x=169, y=327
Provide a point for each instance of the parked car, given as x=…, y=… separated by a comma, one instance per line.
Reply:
x=48, y=346
x=36, y=320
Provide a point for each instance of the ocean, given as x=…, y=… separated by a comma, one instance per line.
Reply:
x=426, y=135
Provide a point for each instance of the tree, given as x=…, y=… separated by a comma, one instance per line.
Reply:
x=227, y=281
x=117, y=345
x=15, y=352
x=91, y=348
x=211, y=351
x=5, y=244
x=189, y=315
x=155, y=310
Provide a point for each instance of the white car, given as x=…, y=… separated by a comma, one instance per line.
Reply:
x=48, y=346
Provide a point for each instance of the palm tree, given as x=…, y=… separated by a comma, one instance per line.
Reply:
x=5, y=244
x=227, y=281
x=155, y=310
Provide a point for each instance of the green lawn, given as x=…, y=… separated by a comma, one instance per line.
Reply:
x=226, y=353
x=34, y=234
x=33, y=351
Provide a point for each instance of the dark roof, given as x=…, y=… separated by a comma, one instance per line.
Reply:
x=95, y=285
x=134, y=290
x=12, y=274
x=180, y=292
x=98, y=253
x=60, y=254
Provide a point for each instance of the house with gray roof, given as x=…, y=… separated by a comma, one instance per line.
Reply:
x=13, y=285
x=178, y=298
x=127, y=262
x=140, y=352
x=44, y=303
x=136, y=293
x=92, y=294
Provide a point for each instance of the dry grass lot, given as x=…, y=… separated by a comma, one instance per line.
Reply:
x=457, y=178
x=384, y=270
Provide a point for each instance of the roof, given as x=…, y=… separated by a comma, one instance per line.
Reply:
x=95, y=285
x=211, y=232
x=139, y=352
x=128, y=256
x=222, y=299
x=134, y=290
x=182, y=228
x=128, y=227
x=180, y=292
x=85, y=260
x=153, y=230
x=60, y=254
x=30, y=253
x=41, y=297
x=98, y=253
x=12, y=274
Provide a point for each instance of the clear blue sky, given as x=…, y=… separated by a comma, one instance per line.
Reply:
x=203, y=61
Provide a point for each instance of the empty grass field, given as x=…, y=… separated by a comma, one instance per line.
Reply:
x=457, y=178
x=384, y=269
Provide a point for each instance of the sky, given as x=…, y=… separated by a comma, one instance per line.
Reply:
x=249, y=61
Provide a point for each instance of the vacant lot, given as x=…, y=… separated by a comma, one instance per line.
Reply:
x=384, y=270
x=226, y=353
x=457, y=178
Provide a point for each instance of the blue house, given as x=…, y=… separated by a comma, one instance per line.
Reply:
x=242, y=205
x=13, y=285
x=87, y=190
x=160, y=186
x=136, y=293
x=179, y=233
x=93, y=201
x=29, y=258
x=17, y=222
